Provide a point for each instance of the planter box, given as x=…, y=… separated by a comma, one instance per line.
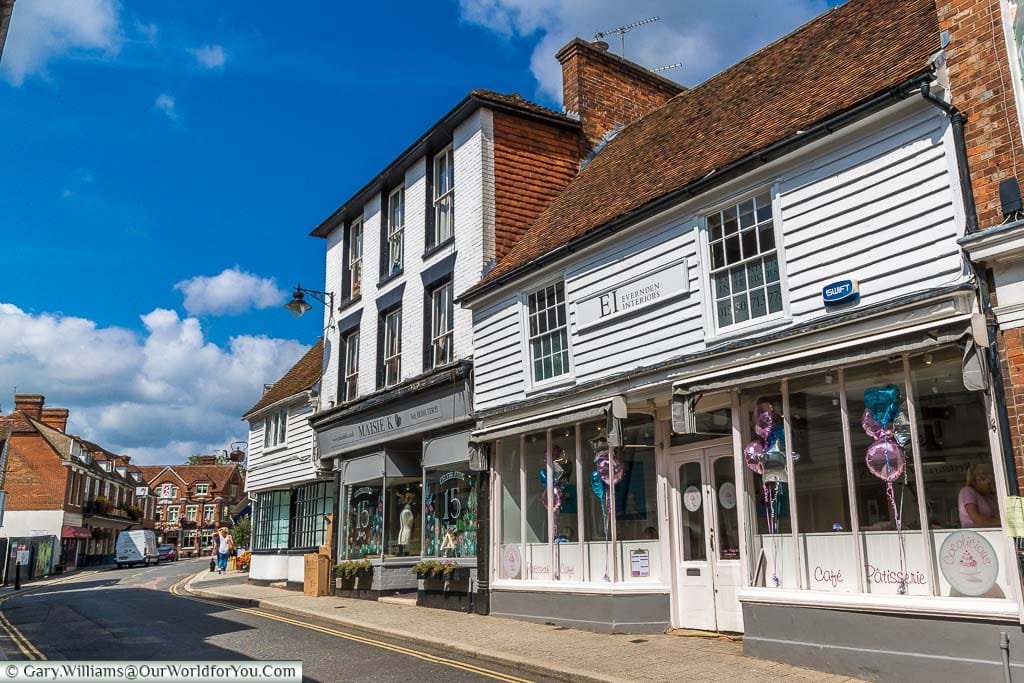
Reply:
x=358, y=586
x=441, y=594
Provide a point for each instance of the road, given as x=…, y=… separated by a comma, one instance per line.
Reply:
x=132, y=614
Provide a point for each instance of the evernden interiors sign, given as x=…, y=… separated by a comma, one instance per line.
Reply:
x=649, y=289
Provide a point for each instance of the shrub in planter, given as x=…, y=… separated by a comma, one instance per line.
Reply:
x=352, y=569
x=445, y=570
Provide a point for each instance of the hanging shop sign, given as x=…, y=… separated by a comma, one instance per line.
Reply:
x=416, y=415
x=840, y=292
x=141, y=491
x=650, y=289
x=968, y=561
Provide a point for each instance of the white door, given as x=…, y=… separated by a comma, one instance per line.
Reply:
x=707, y=543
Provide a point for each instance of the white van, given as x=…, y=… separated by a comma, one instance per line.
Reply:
x=137, y=546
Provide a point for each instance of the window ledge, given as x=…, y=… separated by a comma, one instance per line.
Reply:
x=276, y=449
x=438, y=247
x=548, y=385
x=349, y=302
x=748, y=330
x=962, y=608
x=387, y=279
x=578, y=587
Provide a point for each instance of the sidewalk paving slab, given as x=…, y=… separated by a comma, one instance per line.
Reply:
x=527, y=647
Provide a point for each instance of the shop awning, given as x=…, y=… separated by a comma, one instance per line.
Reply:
x=754, y=366
x=377, y=465
x=445, y=450
x=614, y=407
x=68, y=531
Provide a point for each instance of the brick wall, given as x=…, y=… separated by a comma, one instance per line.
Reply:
x=605, y=89
x=981, y=86
x=533, y=162
x=36, y=477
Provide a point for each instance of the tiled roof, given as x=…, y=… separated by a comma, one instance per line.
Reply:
x=517, y=101
x=838, y=60
x=217, y=474
x=302, y=376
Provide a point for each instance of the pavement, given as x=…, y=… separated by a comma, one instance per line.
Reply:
x=525, y=647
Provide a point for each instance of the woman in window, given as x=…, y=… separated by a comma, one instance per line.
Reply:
x=977, y=499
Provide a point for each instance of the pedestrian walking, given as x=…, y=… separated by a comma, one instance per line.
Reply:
x=225, y=547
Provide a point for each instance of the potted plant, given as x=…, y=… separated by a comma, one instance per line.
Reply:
x=425, y=569
x=353, y=569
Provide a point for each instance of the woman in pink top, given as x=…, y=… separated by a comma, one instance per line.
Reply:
x=977, y=500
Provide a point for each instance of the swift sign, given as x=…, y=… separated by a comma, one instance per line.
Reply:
x=840, y=292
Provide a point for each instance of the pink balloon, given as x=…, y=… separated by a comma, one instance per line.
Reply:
x=602, y=466
x=764, y=420
x=886, y=460
x=753, y=455
x=871, y=426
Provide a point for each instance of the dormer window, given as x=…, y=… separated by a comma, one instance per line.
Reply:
x=202, y=489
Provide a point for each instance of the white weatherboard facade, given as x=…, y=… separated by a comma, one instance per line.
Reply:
x=279, y=468
x=877, y=204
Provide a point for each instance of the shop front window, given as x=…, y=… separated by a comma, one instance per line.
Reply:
x=402, y=516
x=587, y=513
x=911, y=444
x=363, y=517
x=450, y=512
x=271, y=519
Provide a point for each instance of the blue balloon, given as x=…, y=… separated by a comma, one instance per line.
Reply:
x=777, y=438
x=543, y=473
x=883, y=403
x=596, y=485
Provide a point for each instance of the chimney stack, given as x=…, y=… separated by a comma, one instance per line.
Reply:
x=207, y=460
x=31, y=405
x=55, y=417
x=606, y=90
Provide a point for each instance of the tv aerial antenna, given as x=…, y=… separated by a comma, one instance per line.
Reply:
x=621, y=32
x=659, y=69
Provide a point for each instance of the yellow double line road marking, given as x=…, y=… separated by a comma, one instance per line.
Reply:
x=24, y=645
x=176, y=590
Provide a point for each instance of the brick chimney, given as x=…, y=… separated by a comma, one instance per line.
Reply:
x=606, y=90
x=206, y=460
x=30, y=404
x=56, y=418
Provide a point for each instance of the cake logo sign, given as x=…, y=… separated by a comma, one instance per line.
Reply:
x=511, y=561
x=968, y=562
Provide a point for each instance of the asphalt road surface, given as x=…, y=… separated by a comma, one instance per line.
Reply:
x=131, y=614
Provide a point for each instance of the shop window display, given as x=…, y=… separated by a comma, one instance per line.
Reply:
x=450, y=512
x=364, y=517
x=402, y=516
x=508, y=454
x=918, y=445
x=590, y=514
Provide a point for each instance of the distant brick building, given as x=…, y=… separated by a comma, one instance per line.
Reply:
x=193, y=501
x=67, y=497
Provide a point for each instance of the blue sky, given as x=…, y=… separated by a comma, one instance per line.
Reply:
x=166, y=161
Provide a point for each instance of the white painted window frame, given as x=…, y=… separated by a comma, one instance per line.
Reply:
x=275, y=430
x=712, y=330
x=202, y=489
x=443, y=199
x=355, y=258
x=396, y=231
x=191, y=513
x=392, y=351
x=350, y=387
x=442, y=330
x=531, y=381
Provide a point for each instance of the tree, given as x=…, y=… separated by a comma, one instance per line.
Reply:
x=241, y=531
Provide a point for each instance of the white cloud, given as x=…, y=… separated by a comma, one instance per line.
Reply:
x=209, y=56
x=705, y=36
x=166, y=104
x=44, y=30
x=159, y=397
x=231, y=292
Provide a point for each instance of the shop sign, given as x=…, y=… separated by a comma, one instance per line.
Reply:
x=639, y=563
x=968, y=561
x=692, y=498
x=652, y=288
x=727, y=495
x=840, y=292
x=141, y=491
x=511, y=561
x=383, y=426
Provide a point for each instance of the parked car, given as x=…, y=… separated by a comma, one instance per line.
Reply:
x=137, y=546
x=166, y=553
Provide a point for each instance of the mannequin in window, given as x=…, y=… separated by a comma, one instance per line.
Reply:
x=977, y=499
x=406, y=519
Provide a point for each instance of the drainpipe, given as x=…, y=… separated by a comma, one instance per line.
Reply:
x=957, y=119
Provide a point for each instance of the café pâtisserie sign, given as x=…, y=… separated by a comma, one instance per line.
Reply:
x=650, y=289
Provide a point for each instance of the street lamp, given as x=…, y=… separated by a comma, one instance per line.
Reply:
x=298, y=305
